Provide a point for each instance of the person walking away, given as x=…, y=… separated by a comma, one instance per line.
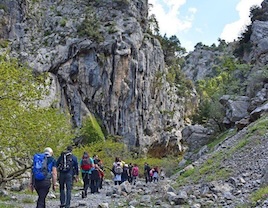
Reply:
x=95, y=178
x=43, y=171
x=86, y=166
x=68, y=170
x=155, y=174
x=135, y=173
x=162, y=174
x=125, y=173
x=117, y=170
x=130, y=177
x=147, y=172
x=151, y=173
x=100, y=168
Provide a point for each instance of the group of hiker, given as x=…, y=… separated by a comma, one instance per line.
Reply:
x=152, y=174
x=46, y=171
x=128, y=172
x=124, y=172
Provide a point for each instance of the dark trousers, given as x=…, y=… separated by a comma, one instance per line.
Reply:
x=130, y=179
x=86, y=180
x=124, y=177
x=42, y=189
x=147, y=177
x=117, y=182
x=101, y=182
x=66, y=181
x=94, y=186
x=95, y=178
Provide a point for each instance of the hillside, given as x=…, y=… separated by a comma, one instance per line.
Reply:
x=232, y=173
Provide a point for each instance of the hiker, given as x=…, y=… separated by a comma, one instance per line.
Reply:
x=147, y=172
x=86, y=166
x=95, y=179
x=40, y=180
x=130, y=177
x=101, y=173
x=96, y=159
x=117, y=170
x=68, y=170
x=135, y=173
x=155, y=174
x=125, y=173
x=162, y=174
x=151, y=173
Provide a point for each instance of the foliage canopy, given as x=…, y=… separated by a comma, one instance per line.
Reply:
x=26, y=128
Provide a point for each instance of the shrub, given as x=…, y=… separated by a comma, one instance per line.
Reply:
x=90, y=28
x=91, y=131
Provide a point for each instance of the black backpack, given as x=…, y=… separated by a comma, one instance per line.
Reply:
x=66, y=161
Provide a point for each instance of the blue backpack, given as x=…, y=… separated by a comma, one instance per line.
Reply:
x=41, y=170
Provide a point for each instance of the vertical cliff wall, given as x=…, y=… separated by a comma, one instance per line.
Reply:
x=102, y=60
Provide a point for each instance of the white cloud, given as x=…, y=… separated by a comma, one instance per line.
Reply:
x=233, y=30
x=168, y=16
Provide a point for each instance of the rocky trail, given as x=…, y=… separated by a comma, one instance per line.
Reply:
x=110, y=196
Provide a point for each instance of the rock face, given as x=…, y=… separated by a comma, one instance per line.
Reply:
x=101, y=60
x=236, y=108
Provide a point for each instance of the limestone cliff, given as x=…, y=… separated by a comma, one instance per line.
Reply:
x=102, y=60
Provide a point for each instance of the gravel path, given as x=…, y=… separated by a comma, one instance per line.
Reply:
x=26, y=200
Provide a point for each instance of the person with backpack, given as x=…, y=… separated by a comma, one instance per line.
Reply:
x=86, y=166
x=95, y=179
x=147, y=172
x=155, y=174
x=96, y=159
x=100, y=168
x=68, y=170
x=117, y=170
x=43, y=170
x=130, y=176
x=135, y=174
x=125, y=173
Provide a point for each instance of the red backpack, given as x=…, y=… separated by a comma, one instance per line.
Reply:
x=135, y=171
x=86, y=164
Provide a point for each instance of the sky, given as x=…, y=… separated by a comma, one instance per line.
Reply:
x=194, y=21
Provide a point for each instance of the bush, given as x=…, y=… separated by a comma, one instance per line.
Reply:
x=90, y=28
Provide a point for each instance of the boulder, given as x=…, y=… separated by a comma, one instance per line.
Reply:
x=196, y=136
x=256, y=114
x=235, y=108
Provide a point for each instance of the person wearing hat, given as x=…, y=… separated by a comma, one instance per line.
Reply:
x=42, y=186
x=68, y=170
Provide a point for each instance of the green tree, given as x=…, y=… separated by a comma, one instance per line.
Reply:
x=172, y=49
x=230, y=80
x=91, y=131
x=153, y=25
x=26, y=128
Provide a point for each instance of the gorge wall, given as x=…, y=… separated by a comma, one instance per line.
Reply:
x=101, y=61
